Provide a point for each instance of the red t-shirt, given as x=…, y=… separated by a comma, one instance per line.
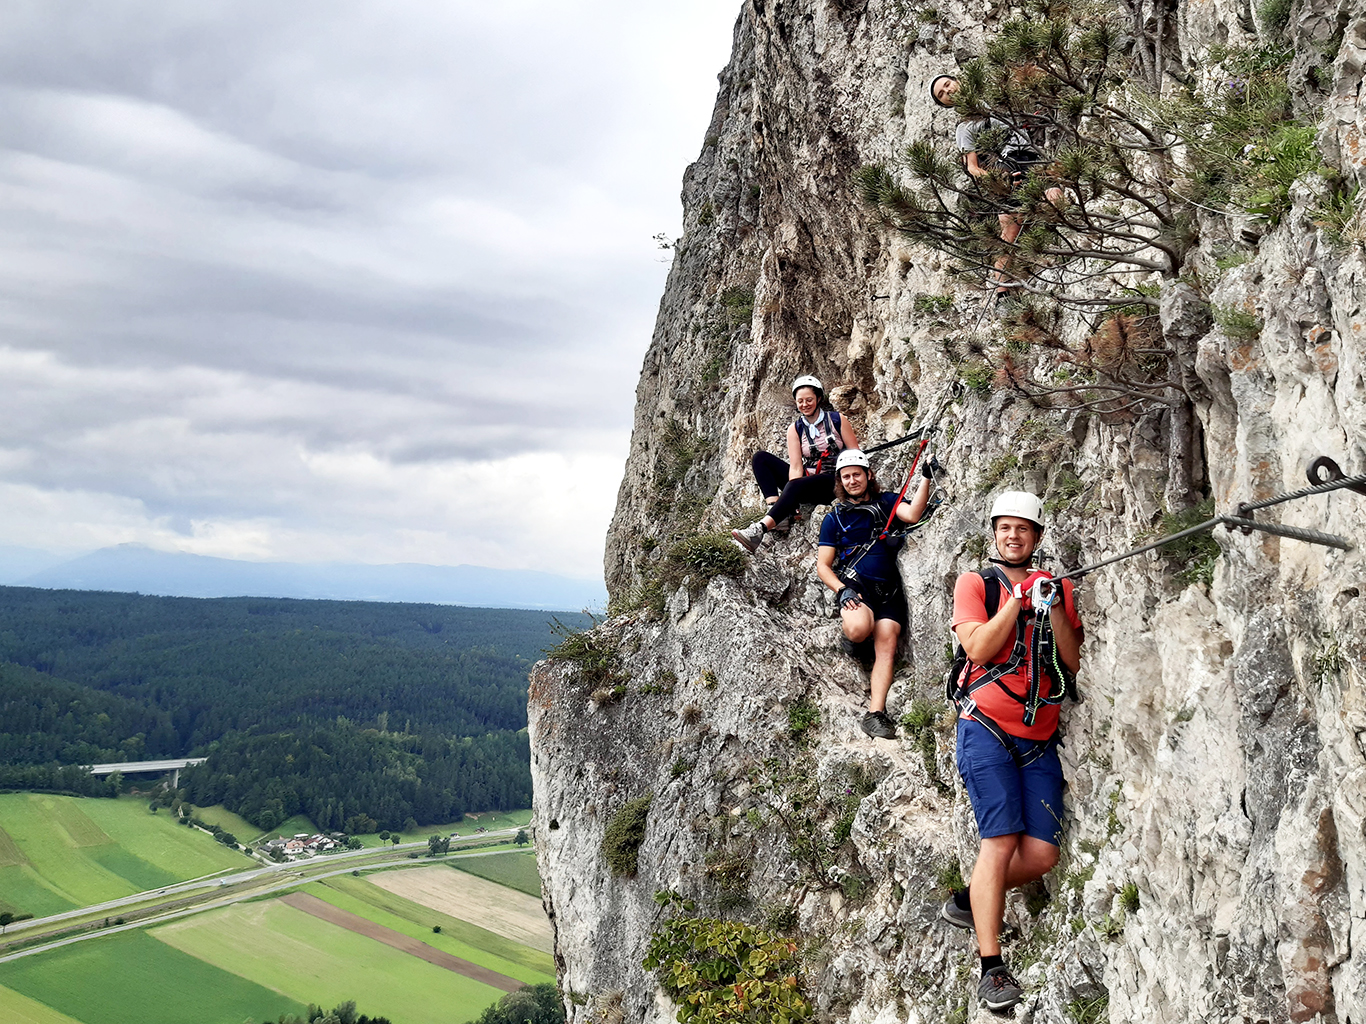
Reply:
x=970, y=605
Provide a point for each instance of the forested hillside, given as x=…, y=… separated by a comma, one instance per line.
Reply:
x=329, y=708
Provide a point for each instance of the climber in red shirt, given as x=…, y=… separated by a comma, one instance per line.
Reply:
x=1017, y=669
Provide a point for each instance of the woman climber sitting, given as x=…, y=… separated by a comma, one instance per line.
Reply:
x=814, y=441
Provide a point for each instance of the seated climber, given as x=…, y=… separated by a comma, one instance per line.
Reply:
x=1013, y=155
x=1020, y=644
x=857, y=560
x=808, y=476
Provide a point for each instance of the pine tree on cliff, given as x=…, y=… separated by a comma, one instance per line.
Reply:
x=1113, y=199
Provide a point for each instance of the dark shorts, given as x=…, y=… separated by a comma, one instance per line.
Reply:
x=885, y=605
x=1005, y=797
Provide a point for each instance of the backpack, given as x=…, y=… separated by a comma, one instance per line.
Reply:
x=1040, y=656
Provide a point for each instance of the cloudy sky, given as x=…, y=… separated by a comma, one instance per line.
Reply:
x=349, y=281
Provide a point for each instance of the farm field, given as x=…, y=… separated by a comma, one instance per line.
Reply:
x=16, y=1008
x=487, y=819
x=510, y=914
x=456, y=937
x=131, y=978
x=515, y=870
x=61, y=852
x=244, y=830
x=311, y=960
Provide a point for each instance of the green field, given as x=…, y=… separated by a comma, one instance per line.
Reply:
x=459, y=938
x=16, y=1008
x=244, y=830
x=313, y=961
x=131, y=978
x=515, y=870
x=491, y=820
x=61, y=852
x=470, y=934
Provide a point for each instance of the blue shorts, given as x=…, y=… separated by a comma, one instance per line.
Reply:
x=1005, y=797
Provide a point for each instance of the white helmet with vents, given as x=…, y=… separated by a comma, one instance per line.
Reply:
x=1018, y=503
x=851, y=457
x=808, y=381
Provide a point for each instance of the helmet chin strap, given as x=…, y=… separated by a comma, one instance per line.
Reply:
x=1012, y=565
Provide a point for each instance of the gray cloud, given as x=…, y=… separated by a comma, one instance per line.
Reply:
x=292, y=280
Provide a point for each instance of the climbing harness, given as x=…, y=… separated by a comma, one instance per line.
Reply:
x=1035, y=650
x=1242, y=518
x=1038, y=654
x=834, y=442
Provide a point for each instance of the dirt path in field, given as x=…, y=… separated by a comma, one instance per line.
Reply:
x=503, y=911
x=407, y=944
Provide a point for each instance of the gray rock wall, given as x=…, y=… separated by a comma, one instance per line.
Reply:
x=1216, y=763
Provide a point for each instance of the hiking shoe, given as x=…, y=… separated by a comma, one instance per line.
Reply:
x=998, y=989
x=956, y=915
x=877, y=725
x=750, y=537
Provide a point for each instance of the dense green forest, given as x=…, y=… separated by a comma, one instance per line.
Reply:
x=329, y=708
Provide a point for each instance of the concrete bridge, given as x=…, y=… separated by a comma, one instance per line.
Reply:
x=148, y=768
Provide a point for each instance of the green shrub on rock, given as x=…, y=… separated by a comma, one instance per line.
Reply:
x=625, y=832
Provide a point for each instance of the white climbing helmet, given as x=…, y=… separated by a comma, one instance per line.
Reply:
x=851, y=457
x=807, y=381
x=1018, y=503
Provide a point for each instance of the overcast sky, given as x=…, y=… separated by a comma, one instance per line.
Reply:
x=336, y=281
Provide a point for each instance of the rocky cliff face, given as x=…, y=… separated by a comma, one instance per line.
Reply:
x=1214, y=866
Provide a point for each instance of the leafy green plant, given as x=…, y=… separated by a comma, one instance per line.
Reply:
x=592, y=652
x=802, y=715
x=624, y=834
x=1340, y=215
x=1113, y=826
x=948, y=879
x=728, y=870
x=933, y=305
x=1128, y=898
x=663, y=683
x=1277, y=161
x=1090, y=1011
x=1192, y=557
x=738, y=305
x=919, y=724
x=978, y=376
x=780, y=917
x=703, y=558
x=815, y=823
x=1000, y=467
x=1274, y=14
x=707, y=215
x=680, y=768
x=1329, y=660
x=720, y=971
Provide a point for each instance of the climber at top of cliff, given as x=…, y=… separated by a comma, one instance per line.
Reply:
x=814, y=441
x=857, y=560
x=1019, y=645
x=1004, y=163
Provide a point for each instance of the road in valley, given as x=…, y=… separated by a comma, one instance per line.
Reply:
x=246, y=885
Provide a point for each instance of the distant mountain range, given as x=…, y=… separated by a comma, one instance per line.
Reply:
x=139, y=569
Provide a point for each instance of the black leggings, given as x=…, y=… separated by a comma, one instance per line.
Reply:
x=771, y=472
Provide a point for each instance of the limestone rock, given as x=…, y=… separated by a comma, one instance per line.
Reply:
x=1214, y=865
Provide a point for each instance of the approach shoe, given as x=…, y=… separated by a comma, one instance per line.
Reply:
x=877, y=725
x=750, y=537
x=956, y=915
x=998, y=990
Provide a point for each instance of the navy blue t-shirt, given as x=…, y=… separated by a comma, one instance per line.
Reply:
x=847, y=526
